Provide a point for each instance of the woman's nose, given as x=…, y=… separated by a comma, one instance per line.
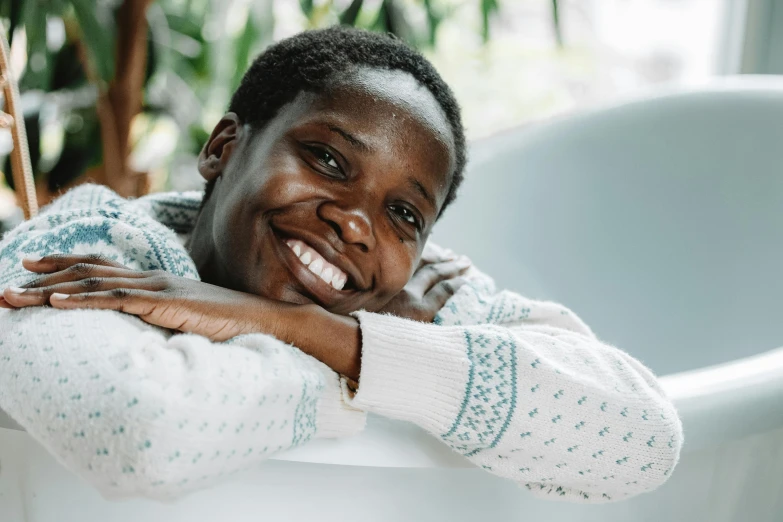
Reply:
x=352, y=225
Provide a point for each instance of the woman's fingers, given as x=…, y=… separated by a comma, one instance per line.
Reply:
x=22, y=297
x=134, y=302
x=60, y=262
x=5, y=304
x=68, y=274
x=15, y=297
x=442, y=292
x=432, y=254
x=82, y=271
x=429, y=275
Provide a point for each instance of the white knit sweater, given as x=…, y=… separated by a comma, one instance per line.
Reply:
x=522, y=388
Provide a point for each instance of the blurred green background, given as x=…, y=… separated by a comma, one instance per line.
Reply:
x=122, y=84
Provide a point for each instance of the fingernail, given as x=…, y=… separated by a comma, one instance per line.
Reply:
x=59, y=297
x=16, y=290
x=33, y=259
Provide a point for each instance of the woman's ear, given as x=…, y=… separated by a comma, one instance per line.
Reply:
x=218, y=149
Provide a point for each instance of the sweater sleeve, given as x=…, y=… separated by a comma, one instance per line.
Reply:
x=130, y=407
x=526, y=391
x=136, y=411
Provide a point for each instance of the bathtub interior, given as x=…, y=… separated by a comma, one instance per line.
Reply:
x=658, y=222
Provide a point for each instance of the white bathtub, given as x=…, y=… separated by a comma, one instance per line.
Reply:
x=660, y=222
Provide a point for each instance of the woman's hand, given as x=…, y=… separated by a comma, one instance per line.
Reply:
x=186, y=305
x=437, y=278
x=157, y=297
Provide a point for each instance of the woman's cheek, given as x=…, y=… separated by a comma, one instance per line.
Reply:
x=400, y=271
x=286, y=179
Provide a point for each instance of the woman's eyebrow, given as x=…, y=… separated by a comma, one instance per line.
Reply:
x=419, y=187
x=350, y=139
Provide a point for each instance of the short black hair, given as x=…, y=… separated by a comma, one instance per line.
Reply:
x=309, y=61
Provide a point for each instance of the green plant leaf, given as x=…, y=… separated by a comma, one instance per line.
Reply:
x=351, y=13
x=243, y=46
x=13, y=10
x=391, y=19
x=67, y=70
x=16, y=11
x=190, y=67
x=434, y=18
x=98, y=32
x=382, y=22
x=37, y=73
x=488, y=8
x=307, y=7
x=556, y=25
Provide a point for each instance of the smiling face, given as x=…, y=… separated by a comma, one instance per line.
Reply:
x=333, y=200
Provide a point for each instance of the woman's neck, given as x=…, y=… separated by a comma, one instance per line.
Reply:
x=201, y=248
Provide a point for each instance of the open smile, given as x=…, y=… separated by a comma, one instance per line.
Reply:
x=316, y=263
x=324, y=282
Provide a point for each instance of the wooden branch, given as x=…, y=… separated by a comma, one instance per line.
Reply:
x=126, y=90
x=122, y=101
x=20, y=156
x=113, y=167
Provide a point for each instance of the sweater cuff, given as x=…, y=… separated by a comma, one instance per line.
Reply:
x=335, y=418
x=411, y=371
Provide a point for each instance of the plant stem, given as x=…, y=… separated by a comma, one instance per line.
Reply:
x=126, y=90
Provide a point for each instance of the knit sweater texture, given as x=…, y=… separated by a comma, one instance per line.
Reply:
x=522, y=388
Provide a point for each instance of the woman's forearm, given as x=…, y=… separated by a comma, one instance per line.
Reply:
x=333, y=339
x=553, y=409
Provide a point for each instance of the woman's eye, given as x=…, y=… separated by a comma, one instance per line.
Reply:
x=406, y=215
x=326, y=158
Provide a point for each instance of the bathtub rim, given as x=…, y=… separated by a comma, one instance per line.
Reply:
x=716, y=404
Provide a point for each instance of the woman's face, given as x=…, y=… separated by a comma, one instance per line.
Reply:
x=333, y=200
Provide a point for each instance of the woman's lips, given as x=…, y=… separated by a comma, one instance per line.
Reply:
x=314, y=287
x=316, y=263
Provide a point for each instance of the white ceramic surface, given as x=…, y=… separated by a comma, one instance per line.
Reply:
x=659, y=221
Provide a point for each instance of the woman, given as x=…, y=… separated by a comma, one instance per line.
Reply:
x=340, y=150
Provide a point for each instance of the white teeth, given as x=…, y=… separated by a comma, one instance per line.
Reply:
x=316, y=266
x=338, y=282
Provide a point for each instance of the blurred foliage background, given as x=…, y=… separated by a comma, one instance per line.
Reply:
x=113, y=86
x=125, y=92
